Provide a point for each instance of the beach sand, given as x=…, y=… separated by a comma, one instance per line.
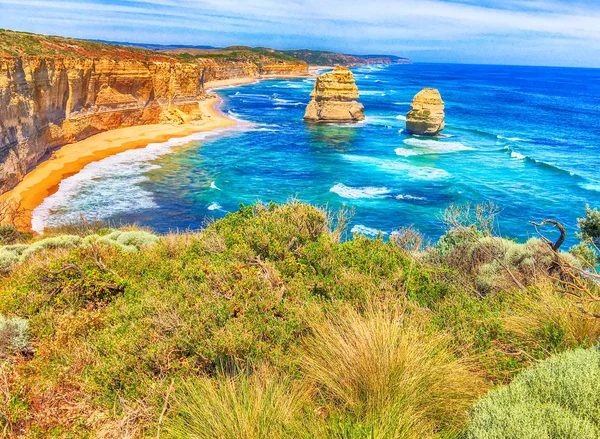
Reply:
x=68, y=160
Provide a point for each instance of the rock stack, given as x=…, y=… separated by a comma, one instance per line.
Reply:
x=427, y=115
x=334, y=98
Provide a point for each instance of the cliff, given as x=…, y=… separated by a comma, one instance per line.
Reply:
x=324, y=58
x=334, y=98
x=427, y=115
x=55, y=91
x=47, y=102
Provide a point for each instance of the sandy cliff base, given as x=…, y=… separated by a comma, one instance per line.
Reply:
x=43, y=181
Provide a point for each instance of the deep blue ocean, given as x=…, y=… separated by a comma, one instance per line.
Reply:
x=525, y=138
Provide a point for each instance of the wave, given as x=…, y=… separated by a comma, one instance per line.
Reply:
x=287, y=102
x=590, y=186
x=116, y=178
x=546, y=165
x=367, y=231
x=412, y=171
x=512, y=139
x=402, y=103
x=215, y=206
x=356, y=193
x=213, y=185
x=372, y=93
x=401, y=117
x=429, y=146
x=409, y=197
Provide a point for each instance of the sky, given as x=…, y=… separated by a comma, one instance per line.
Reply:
x=523, y=32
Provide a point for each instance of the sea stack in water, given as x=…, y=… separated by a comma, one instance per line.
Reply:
x=427, y=115
x=334, y=98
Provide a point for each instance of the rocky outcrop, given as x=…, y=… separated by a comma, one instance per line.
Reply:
x=427, y=115
x=334, y=98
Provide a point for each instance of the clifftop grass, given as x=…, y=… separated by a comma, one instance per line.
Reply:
x=269, y=311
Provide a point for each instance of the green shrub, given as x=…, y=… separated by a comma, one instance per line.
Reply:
x=9, y=235
x=14, y=335
x=590, y=226
x=65, y=241
x=560, y=398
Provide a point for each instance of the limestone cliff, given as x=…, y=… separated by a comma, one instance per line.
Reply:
x=427, y=115
x=47, y=102
x=334, y=98
x=55, y=91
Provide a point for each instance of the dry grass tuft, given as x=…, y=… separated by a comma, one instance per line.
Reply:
x=386, y=370
x=253, y=405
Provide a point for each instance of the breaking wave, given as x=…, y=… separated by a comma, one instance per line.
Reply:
x=356, y=193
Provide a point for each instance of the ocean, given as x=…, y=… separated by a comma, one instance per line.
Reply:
x=524, y=138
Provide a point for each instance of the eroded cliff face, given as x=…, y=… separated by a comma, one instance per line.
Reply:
x=47, y=102
x=334, y=98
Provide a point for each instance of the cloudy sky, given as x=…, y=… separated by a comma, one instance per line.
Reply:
x=530, y=32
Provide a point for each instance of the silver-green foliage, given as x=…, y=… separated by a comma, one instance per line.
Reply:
x=129, y=242
x=560, y=398
x=13, y=335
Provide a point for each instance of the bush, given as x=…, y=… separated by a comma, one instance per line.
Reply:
x=590, y=226
x=14, y=335
x=65, y=241
x=126, y=241
x=560, y=398
x=9, y=235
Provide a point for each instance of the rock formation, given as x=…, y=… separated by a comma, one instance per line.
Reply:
x=427, y=115
x=334, y=98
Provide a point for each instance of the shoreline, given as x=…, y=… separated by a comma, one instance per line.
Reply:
x=68, y=160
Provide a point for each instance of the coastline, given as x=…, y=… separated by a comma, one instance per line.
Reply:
x=69, y=159
x=44, y=180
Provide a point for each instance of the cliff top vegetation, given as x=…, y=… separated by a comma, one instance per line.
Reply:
x=14, y=43
x=271, y=323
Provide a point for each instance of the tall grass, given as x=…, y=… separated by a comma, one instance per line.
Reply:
x=387, y=372
x=256, y=405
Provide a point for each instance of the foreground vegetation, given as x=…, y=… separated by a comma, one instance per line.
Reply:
x=270, y=324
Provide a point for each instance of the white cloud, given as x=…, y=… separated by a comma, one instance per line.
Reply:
x=343, y=24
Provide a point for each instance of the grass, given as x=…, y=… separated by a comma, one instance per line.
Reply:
x=385, y=372
x=270, y=314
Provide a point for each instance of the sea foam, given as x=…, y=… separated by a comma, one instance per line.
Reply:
x=107, y=187
x=429, y=146
x=356, y=193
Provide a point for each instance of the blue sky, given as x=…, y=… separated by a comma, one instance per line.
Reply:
x=530, y=32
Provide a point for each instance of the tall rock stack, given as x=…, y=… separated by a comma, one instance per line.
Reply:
x=427, y=115
x=334, y=98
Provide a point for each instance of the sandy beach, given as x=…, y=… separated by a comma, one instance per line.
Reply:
x=225, y=83
x=68, y=160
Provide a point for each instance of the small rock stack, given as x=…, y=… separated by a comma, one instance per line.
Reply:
x=334, y=98
x=427, y=115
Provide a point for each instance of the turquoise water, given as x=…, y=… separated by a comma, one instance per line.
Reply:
x=526, y=138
